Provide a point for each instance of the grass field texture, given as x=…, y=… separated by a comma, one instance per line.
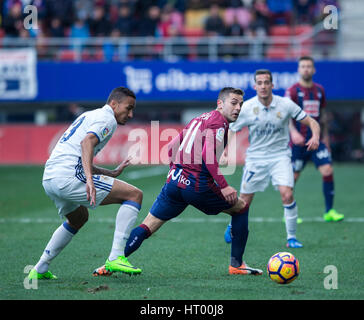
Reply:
x=187, y=258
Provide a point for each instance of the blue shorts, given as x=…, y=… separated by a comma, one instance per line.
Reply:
x=172, y=200
x=319, y=157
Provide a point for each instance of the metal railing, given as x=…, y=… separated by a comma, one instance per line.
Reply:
x=318, y=42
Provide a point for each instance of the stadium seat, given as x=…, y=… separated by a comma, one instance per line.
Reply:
x=276, y=53
x=193, y=32
x=86, y=55
x=302, y=29
x=67, y=55
x=99, y=55
x=280, y=30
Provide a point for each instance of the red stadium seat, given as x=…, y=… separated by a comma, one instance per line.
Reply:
x=276, y=53
x=99, y=55
x=86, y=55
x=193, y=32
x=67, y=55
x=280, y=30
x=302, y=29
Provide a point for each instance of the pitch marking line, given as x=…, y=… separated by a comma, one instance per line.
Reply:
x=145, y=173
x=175, y=220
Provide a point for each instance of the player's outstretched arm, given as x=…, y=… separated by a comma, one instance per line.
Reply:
x=314, y=142
x=112, y=173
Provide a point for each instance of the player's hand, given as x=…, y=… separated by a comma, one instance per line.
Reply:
x=313, y=143
x=120, y=168
x=91, y=192
x=297, y=138
x=223, y=159
x=230, y=195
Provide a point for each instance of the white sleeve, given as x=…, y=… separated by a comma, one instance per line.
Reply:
x=101, y=128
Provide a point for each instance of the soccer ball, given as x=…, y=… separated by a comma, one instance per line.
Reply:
x=283, y=267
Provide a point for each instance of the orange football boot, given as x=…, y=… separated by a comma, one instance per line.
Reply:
x=244, y=269
x=101, y=271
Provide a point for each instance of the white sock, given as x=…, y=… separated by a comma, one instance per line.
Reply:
x=125, y=220
x=60, y=238
x=290, y=215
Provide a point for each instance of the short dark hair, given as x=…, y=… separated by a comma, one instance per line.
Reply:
x=224, y=92
x=118, y=94
x=263, y=71
x=306, y=58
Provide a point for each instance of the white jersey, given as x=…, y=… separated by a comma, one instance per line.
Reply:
x=268, y=127
x=66, y=154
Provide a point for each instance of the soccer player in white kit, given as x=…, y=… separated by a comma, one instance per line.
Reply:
x=75, y=184
x=268, y=157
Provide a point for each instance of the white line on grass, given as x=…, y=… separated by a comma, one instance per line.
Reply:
x=145, y=173
x=175, y=220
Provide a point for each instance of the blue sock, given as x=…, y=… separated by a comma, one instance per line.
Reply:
x=136, y=238
x=328, y=191
x=69, y=228
x=239, y=231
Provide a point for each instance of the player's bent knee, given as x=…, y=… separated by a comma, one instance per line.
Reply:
x=326, y=170
x=78, y=218
x=137, y=196
x=287, y=197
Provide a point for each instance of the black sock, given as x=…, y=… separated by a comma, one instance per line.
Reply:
x=239, y=231
x=137, y=236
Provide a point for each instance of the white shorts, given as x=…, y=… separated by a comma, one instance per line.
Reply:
x=258, y=174
x=69, y=193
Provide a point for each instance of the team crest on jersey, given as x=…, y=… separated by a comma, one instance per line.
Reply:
x=220, y=134
x=256, y=110
x=105, y=132
x=279, y=115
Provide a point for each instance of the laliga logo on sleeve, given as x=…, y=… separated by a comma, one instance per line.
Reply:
x=105, y=132
x=220, y=134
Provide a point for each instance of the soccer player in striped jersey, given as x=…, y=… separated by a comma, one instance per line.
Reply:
x=310, y=96
x=195, y=179
x=75, y=184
